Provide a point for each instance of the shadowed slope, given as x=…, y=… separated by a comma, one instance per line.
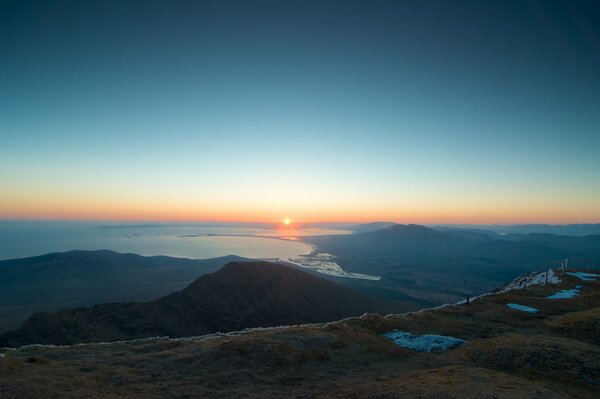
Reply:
x=60, y=280
x=446, y=265
x=240, y=295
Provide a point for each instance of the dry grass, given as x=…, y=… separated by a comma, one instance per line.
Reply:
x=538, y=356
x=510, y=354
x=451, y=382
x=583, y=325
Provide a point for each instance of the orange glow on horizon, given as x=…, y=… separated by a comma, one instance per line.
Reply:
x=143, y=207
x=458, y=216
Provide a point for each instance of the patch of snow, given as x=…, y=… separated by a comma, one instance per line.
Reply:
x=536, y=278
x=584, y=276
x=423, y=343
x=566, y=294
x=523, y=308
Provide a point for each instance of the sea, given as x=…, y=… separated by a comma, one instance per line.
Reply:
x=19, y=239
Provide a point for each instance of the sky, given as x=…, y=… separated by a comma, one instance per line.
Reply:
x=412, y=111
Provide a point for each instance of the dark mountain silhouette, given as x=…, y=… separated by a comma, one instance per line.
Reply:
x=413, y=242
x=467, y=229
x=445, y=265
x=367, y=227
x=582, y=229
x=406, y=241
x=590, y=243
x=240, y=295
x=80, y=278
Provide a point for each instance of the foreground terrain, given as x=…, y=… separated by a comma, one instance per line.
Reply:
x=508, y=353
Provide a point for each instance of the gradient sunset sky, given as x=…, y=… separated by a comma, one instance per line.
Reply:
x=412, y=111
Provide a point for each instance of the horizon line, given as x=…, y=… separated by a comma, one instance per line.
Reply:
x=275, y=223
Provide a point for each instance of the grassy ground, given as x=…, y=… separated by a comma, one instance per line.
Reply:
x=509, y=354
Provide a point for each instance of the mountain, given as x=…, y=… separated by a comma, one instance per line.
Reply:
x=445, y=265
x=590, y=243
x=467, y=229
x=404, y=242
x=240, y=295
x=505, y=353
x=79, y=278
x=582, y=229
x=367, y=227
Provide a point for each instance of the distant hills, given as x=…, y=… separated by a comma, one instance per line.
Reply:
x=367, y=227
x=411, y=242
x=78, y=278
x=240, y=295
x=581, y=229
x=445, y=264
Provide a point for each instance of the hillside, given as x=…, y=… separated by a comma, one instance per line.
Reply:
x=444, y=265
x=56, y=281
x=582, y=229
x=507, y=353
x=240, y=295
x=367, y=227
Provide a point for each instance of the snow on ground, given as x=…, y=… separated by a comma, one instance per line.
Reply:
x=423, y=343
x=536, y=278
x=523, y=308
x=584, y=276
x=566, y=294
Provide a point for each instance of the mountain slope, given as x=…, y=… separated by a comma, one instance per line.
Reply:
x=80, y=278
x=411, y=241
x=368, y=227
x=444, y=265
x=583, y=244
x=240, y=295
x=507, y=354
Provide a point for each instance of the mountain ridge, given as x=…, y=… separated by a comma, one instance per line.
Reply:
x=444, y=265
x=504, y=353
x=57, y=280
x=239, y=295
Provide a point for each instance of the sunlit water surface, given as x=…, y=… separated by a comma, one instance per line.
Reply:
x=20, y=239
x=23, y=239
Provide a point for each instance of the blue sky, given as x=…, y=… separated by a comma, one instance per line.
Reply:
x=468, y=111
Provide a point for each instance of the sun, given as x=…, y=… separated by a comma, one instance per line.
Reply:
x=287, y=221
